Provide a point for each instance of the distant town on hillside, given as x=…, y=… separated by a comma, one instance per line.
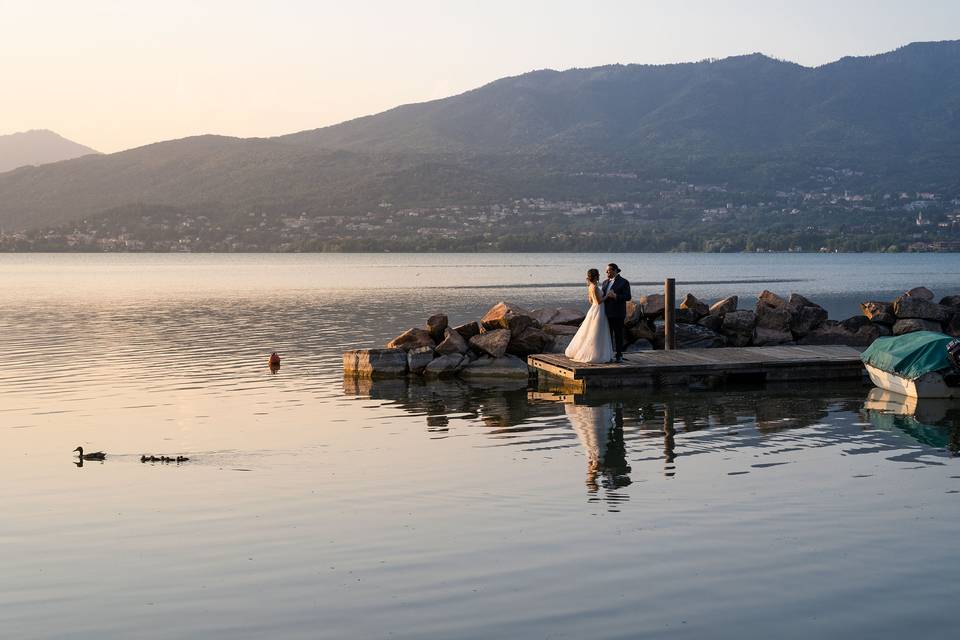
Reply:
x=747, y=153
x=676, y=216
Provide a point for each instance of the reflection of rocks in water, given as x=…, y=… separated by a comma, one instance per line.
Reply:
x=777, y=414
x=438, y=423
x=600, y=431
x=376, y=389
x=501, y=406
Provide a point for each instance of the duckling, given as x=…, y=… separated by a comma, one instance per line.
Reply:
x=96, y=455
x=144, y=458
x=182, y=459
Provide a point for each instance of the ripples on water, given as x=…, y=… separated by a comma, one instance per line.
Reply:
x=315, y=506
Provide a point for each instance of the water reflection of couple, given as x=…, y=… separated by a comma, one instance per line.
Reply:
x=600, y=430
x=600, y=337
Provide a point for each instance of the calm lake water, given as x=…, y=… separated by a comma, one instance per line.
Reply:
x=314, y=507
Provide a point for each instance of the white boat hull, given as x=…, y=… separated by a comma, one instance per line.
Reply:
x=925, y=410
x=929, y=385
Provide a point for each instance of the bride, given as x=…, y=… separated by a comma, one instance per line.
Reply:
x=592, y=343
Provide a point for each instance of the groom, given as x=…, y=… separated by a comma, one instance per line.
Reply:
x=616, y=292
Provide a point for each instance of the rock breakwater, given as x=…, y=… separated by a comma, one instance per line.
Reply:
x=496, y=346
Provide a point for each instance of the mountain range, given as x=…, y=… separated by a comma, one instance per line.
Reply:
x=747, y=121
x=35, y=147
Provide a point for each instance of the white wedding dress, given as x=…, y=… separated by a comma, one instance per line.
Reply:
x=592, y=343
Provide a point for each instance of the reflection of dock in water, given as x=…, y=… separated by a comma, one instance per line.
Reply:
x=703, y=367
x=668, y=430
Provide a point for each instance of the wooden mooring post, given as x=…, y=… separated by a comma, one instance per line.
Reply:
x=669, y=314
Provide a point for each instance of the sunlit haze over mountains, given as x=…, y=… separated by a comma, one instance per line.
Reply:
x=115, y=75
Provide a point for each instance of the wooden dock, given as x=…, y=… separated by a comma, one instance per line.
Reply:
x=702, y=367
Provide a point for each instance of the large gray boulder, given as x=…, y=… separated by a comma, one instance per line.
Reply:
x=493, y=343
x=764, y=337
x=738, y=327
x=913, y=307
x=711, y=321
x=633, y=314
x=375, y=363
x=543, y=316
x=806, y=318
x=530, y=340
x=909, y=325
x=849, y=332
x=798, y=316
x=686, y=316
x=725, y=306
x=639, y=345
x=689, y=336
x=952, y=325
x=951, y=301
x=445, y=366
x=560, y=329
x=741, y=321
x=862, y=331
x=652, y=305
x=779, y=318
x=436, y=325
x=920, y=293
x=419, y=358
x=770, y=299
x=881, y=312
x=797, y=300
x=572, y=317
x=505, y=315
x=559, y=344
x=412, y=339
x=641, y=331
x=505, y=367
x=452, y=343
x=468, y=330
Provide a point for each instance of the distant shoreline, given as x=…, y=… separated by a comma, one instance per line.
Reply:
x=464, y=252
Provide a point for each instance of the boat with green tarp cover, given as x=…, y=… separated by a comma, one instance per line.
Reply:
x=914, y=364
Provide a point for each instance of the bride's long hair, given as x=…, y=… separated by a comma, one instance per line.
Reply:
x=593, y=276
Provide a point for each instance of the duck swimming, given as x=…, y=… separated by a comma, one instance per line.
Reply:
x=162, y=458
x=96, y=455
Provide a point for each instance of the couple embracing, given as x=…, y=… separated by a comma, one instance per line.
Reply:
x=600, y=337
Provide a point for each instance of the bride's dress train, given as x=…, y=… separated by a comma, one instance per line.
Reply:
x=592, y=342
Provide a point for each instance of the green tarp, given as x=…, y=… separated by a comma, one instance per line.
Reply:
x=910, y=355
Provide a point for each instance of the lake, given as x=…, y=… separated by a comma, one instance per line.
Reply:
x=318, y=507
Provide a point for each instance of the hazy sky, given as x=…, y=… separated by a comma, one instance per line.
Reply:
x=119, y=74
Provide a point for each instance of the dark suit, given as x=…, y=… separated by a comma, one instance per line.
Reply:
x=616, y=310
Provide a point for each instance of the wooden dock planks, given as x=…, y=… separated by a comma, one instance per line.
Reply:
x=694, y=366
